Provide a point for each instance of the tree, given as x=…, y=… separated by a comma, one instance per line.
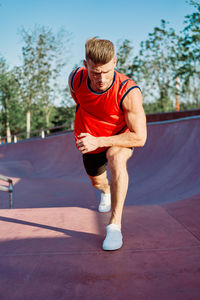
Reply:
x=68, y=111
x=10, y=106
x=127, y=63
x=44, y=56
x=190, y=58
x=124, y=54
x=158, y=64
x=28, y=78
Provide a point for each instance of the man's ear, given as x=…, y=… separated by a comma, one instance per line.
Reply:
x=85, y=63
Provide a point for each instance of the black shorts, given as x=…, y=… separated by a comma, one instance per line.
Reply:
x=95, y=164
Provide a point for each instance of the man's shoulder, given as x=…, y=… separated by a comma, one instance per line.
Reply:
x=124, y=80
x=122, y=77
x=76, y=76
x=77, y=71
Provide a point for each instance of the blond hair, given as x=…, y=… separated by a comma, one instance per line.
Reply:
x=99, y=51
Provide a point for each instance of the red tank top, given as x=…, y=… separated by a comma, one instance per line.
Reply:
x=100, y=114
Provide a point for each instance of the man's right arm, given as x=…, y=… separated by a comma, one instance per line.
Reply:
x=70, y=87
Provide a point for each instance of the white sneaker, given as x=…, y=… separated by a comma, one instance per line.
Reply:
x=113, y=240
x=105, y=203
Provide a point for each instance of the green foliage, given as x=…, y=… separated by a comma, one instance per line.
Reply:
x=63, y=116
x=11, y=117
x=167, y=65
x=44, y=56
x=155, y=106
x=158, y=63
x=124, y=54
x=190, y=55
x=67, y=100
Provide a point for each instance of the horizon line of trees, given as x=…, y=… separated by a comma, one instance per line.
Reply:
x=167, y=68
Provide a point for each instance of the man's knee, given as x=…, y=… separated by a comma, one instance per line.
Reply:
x=117, y=157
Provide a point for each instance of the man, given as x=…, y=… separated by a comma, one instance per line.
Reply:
x=109, y=122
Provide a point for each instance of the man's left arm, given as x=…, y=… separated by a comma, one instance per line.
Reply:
x=136, y=122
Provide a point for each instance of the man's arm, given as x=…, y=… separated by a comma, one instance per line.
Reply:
x=70, y=87
x=135, y=120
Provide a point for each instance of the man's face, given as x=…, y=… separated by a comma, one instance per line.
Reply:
x=101, y=76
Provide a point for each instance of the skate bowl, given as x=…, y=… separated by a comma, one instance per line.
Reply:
x=50, y=243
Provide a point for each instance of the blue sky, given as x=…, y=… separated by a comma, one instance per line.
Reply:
x=109, y=19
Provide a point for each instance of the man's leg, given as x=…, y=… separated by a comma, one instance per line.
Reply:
x=101, y=183
x=96, y=167
x=117, y=160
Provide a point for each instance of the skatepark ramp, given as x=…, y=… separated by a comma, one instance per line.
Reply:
x=49, y=172
x=51, y=242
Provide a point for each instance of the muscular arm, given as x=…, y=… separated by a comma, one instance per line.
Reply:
x=135, y=120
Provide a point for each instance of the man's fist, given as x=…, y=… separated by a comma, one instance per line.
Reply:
x=87, y=143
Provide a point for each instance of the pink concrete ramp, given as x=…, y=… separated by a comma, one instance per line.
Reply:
x=50, y=243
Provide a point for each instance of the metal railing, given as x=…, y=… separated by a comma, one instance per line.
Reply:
x=8, y=188
x=35, y=133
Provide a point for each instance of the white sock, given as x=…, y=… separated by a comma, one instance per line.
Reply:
x=105, y=203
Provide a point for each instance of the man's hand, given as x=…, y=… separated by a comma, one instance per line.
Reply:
x=87, y=143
